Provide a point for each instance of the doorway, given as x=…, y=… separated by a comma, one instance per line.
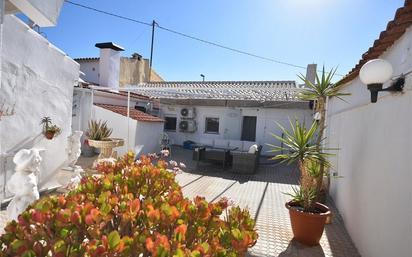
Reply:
x=249, y=128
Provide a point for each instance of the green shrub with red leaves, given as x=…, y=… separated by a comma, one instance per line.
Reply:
x=133, y=209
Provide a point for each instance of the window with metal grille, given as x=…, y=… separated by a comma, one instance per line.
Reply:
x=212, y=125
x=170, y=123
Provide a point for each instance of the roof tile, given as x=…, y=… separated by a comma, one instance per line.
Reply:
x=394, y=30
x=134, y=114
x=222, y=90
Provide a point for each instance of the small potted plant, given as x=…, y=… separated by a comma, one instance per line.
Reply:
x=98, y=130
x=307, y=216
x=98, y=137
x=50, y=130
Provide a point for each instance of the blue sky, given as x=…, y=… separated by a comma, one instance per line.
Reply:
x=330, y=32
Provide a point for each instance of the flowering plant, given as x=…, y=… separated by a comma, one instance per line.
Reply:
x=132, y=209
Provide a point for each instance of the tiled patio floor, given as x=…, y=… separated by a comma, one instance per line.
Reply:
x=263, y=194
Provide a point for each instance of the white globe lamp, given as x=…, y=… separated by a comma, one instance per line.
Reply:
x=375, y=73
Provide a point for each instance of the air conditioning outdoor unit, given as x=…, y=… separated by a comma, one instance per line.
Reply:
x=188, y=126
x=188, y=113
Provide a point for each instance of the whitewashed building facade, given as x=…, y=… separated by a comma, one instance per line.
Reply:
x=37, y=80
x=227, y=113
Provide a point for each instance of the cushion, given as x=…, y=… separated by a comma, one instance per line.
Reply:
x=253, y=149
x=247, y=145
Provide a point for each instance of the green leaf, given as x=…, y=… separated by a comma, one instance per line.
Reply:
x=179, y=253
x=114, y=239
x=64, y=232
x=195, y=253
x=205, y=246
x=236, y=234
x=59, y=246
x=16, y=244
x=29, y=253
x=105, y=208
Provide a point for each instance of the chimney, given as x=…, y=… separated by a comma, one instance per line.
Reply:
x=311, y=72
x=109, y=64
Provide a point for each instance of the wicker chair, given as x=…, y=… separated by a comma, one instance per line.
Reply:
x=244, y=162
x=199, y=154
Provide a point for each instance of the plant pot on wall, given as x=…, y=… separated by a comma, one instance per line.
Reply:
x=50, y=130
x=307, y=226
x=49, y=134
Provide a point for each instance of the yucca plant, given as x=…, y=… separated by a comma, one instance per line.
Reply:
x=298, y=146
x=319, y=92
x=98, y=130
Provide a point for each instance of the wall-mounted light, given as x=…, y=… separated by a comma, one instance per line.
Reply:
x=375, y=73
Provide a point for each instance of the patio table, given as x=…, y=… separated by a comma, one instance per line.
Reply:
x=213, y=154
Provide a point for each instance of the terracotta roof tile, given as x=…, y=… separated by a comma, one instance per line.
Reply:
x=134, y=114
x=394, y=30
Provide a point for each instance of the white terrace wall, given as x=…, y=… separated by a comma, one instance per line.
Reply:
x=119, y=125
x=374, y=195
x=82, y=105
x=140, y=132
x=37, y=80
x=148, y=134
x=230, y=122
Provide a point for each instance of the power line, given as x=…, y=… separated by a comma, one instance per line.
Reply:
x=229, y=48
x=193, y=37
x=108, y=13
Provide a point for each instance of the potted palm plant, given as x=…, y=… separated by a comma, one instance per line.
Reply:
x=319, y=92
x=307, y=216
x=49, y=129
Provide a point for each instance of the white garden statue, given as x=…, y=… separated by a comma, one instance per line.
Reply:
x=70, y=176
x=74, y=149
x=23, y=183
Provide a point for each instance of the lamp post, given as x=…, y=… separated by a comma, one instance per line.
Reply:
x=375, y=73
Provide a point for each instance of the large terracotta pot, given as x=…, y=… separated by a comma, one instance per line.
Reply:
x=307, y=227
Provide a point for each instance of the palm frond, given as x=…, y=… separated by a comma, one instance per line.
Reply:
x=323, y=86
x=297, y=144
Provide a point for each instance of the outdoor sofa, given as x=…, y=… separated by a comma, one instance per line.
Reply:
x=246, y=162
